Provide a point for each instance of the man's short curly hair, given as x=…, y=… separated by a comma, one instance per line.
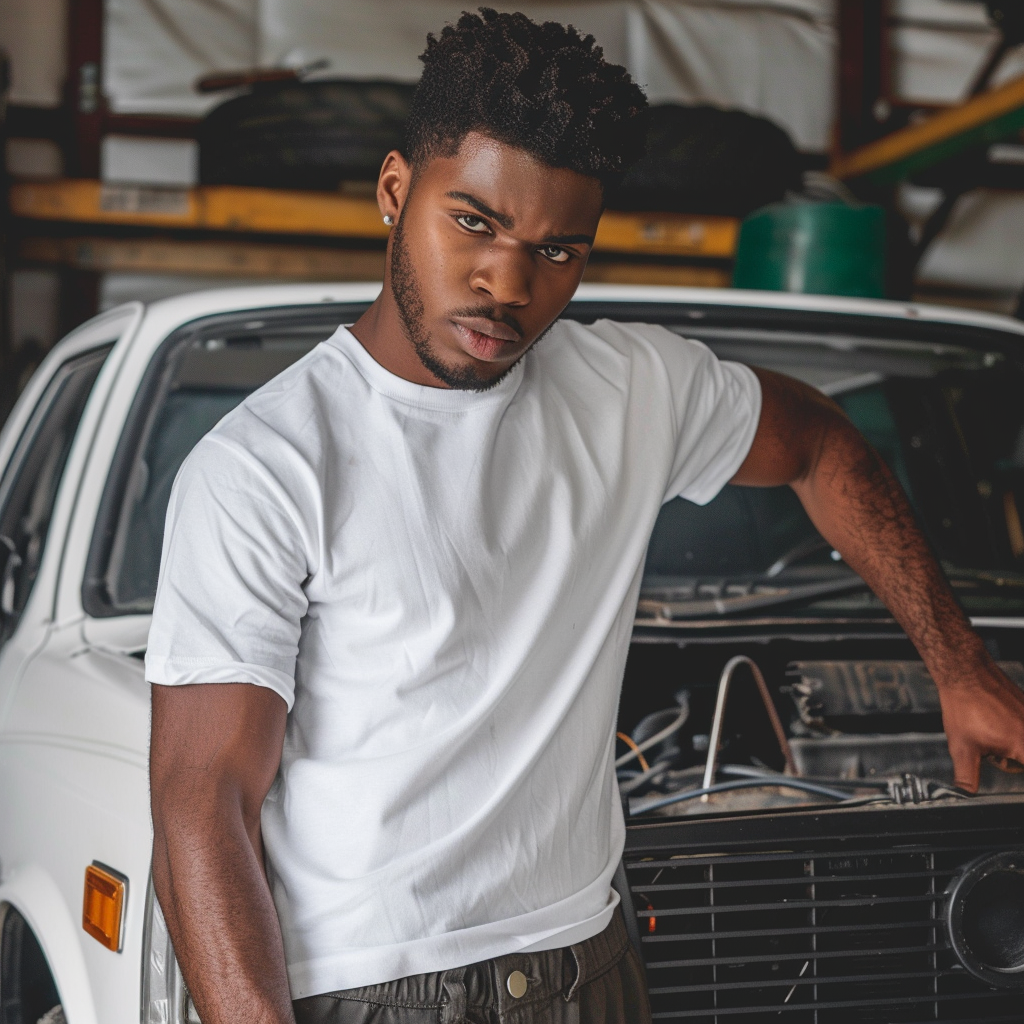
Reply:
x=542, y=88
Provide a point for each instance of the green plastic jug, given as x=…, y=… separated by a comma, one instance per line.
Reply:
x=816, y=248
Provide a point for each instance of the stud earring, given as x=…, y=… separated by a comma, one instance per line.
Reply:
x=388, y=219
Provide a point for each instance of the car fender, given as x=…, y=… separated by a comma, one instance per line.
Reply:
x=36, y=896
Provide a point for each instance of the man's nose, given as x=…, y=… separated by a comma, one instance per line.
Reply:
x=505, y=277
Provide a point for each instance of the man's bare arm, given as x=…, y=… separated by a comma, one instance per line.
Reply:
x=215, y=751
x=806, y=441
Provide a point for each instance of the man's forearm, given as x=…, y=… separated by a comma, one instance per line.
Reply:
x=208, y=875
x=859, y=507
x=804, y=440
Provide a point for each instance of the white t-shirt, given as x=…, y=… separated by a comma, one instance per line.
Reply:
x=441, y=586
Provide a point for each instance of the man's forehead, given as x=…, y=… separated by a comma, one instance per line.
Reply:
x=516, y=189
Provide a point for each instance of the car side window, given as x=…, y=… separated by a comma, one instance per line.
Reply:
x=30, y=481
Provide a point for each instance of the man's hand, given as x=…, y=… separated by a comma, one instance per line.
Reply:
x=214, y=753
x=983, y=712
x=804, y=440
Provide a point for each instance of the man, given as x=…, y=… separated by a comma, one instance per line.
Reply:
x=411, y=564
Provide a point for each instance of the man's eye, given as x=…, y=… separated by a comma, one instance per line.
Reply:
x=471, y=223
x=554, y=253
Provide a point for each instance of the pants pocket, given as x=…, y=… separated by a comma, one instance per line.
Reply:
x=619, y=996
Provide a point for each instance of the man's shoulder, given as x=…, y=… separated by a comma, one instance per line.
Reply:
x=627, y=335
x=278, y=428
x=295, y=404
x=638, y=344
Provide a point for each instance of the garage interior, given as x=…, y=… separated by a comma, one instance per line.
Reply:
x=160, y=146
x=809, y=858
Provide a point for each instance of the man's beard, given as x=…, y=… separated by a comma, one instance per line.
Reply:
x=407, y=295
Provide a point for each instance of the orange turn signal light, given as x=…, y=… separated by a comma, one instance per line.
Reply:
x=103, y=905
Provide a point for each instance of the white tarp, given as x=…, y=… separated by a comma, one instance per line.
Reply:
x=939, y=46
x=773, y=57
x=154, y=50
x=980, y=249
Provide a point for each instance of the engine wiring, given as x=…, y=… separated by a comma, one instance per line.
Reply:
x=668, y=782
x=631, y=783
x=906, y=789
x=783, y=781
x=683, y=699
x=631, y=743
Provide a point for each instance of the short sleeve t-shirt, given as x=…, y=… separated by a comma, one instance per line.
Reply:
x=440, y=585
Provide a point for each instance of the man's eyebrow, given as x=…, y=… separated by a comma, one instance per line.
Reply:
x=501, y=218
x=508, y=223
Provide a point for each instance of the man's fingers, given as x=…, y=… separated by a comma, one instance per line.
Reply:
x=966, y=765
x=1006, y=764
x=1008, y=756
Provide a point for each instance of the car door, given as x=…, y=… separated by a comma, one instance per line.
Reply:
x=42, y=451
x=34, y=450
x=28, y=487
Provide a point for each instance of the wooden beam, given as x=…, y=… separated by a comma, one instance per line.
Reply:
x=228, y=259
x=985, y=119
x=241, y=260
x=232, y=208
x=667, y=234
x=211, y=207
x=638, y=272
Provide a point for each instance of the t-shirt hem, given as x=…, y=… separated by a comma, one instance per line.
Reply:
x=356, y=968
x=375, y=966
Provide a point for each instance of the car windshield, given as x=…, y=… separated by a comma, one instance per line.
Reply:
x=941, y=405
x=948, y=420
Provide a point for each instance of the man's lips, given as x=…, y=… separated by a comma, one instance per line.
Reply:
x=492, y=328
x=486, y=339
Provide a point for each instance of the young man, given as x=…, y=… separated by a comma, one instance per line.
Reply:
x=411, y=564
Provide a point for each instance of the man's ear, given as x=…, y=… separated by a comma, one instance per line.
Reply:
x=393, y=185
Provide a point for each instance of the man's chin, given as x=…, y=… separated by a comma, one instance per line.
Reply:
x=469, y=375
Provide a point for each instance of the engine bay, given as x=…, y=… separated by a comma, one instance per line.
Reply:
x=708, y=728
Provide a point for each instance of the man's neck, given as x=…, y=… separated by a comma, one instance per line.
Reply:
x=382, y=333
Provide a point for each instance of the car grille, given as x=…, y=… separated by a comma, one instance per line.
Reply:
x=825, y=919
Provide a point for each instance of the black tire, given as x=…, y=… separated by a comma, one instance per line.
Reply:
x=705, y=160
x=27, y=989
x=303, y=135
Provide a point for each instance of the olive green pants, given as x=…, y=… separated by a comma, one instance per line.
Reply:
x=599, y=981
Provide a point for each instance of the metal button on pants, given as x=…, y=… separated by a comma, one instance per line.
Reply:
x=517, y=984
x=598, y=981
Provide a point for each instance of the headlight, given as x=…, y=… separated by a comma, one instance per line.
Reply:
x=165, y=1000
x=985, y=918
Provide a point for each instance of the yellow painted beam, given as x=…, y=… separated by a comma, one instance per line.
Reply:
x=277, y=211
x=938, y=133
x=667, y=234
x=227, y=259
x=210, y=207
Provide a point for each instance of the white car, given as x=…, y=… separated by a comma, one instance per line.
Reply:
x=860, y=886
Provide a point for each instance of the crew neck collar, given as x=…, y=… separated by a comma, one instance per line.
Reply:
x=420, y=395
